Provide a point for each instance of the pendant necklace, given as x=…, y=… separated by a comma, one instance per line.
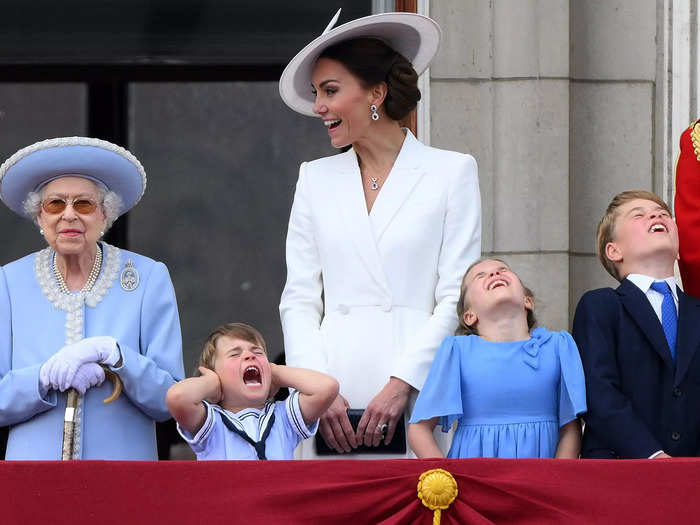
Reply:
x=373, y=181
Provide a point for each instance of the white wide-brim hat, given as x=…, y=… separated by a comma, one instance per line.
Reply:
x=414, y=36
x=94, y=159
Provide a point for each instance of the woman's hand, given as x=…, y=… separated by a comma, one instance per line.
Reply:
x=335, y=427
x=87, y=376
x=59, y=370
x=385, y=409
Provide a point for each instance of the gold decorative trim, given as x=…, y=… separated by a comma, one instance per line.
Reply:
x=695, y=137
x=437, y=489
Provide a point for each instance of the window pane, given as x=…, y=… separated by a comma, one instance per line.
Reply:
x=164, y=31
x=222, y=161
x=29, y=113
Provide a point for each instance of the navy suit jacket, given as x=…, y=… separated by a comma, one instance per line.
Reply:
x=639, y=402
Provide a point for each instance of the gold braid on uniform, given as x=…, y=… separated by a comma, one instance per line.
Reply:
x=695, y=137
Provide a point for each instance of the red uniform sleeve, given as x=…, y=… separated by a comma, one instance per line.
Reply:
x=687, y=209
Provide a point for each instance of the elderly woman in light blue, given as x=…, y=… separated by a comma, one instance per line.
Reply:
x=81, y=308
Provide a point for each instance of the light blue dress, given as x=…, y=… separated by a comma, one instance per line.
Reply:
x=509, y=399
x=35, y=321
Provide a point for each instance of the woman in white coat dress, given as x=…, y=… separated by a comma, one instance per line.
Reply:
x=380, y=235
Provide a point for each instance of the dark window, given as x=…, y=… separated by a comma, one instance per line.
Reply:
x=190, y=86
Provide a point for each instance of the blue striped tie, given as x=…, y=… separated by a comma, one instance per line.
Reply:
x=669, y=316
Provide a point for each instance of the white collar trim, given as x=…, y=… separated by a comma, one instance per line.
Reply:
x=644, y=282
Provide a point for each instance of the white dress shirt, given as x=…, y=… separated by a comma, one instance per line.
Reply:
x=644, y=282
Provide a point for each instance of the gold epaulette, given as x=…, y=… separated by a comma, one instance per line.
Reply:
x=695, y=137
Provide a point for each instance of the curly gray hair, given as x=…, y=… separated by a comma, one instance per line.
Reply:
x=111, y=204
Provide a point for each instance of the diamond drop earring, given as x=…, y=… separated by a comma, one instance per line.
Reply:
x=373, y=109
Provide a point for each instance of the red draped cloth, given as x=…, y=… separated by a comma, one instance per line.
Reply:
x=537, y=491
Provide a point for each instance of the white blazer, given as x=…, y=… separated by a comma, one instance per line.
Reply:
x=369, y=296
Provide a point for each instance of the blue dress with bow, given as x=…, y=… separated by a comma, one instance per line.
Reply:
x=509, y=398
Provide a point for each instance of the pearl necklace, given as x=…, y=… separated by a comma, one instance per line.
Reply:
x=73, y=303
x=94, y=272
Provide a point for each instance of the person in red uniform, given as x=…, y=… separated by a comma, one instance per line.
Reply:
x=687, y=208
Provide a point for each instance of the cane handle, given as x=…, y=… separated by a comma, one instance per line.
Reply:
x=117, y=385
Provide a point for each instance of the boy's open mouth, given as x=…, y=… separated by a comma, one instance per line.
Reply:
x=658, y=227
x=252, y=376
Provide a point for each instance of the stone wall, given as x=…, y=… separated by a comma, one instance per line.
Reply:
x=555, y=99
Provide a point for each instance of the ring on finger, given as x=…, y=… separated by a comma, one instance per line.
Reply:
x=381, y=429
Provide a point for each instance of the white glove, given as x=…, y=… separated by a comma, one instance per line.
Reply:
x=87, y=376
x=59, y=370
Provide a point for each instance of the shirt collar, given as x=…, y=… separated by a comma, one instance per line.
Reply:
x=643, y=282
x=242, y=414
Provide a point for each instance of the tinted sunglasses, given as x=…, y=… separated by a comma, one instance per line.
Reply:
x=81, y=205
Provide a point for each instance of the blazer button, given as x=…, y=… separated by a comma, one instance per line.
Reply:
x=675, y=436
x=343, y=309
x=677, y=392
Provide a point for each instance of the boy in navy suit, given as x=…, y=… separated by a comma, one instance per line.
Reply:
x=638, y=342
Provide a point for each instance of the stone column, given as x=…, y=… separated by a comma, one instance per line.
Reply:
x=500, y=91
x=613, y=81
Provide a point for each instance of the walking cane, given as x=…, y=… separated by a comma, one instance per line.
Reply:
x=72, y=404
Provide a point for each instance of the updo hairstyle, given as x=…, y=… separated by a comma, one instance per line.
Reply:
x=372, y=62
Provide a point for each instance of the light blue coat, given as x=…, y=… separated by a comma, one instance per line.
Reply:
x=146, y=325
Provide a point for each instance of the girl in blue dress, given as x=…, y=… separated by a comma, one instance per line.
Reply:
x=514, y=393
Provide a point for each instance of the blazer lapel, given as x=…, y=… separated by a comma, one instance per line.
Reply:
x=639, y=308
x=347, y=185
x=401, y=181
x=688, y=330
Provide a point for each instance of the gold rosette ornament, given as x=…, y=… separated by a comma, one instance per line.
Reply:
x=437, y=489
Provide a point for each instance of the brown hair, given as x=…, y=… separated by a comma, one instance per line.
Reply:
x=372, y=61
x=239, y=331
x=606, y=226
x=463, y=328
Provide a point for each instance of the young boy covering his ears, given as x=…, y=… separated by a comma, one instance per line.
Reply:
x=226, y=413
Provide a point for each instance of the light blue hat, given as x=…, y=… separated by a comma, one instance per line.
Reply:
x=98, y=160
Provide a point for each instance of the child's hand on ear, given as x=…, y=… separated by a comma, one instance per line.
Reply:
x=274, y=382
x=215, y=393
